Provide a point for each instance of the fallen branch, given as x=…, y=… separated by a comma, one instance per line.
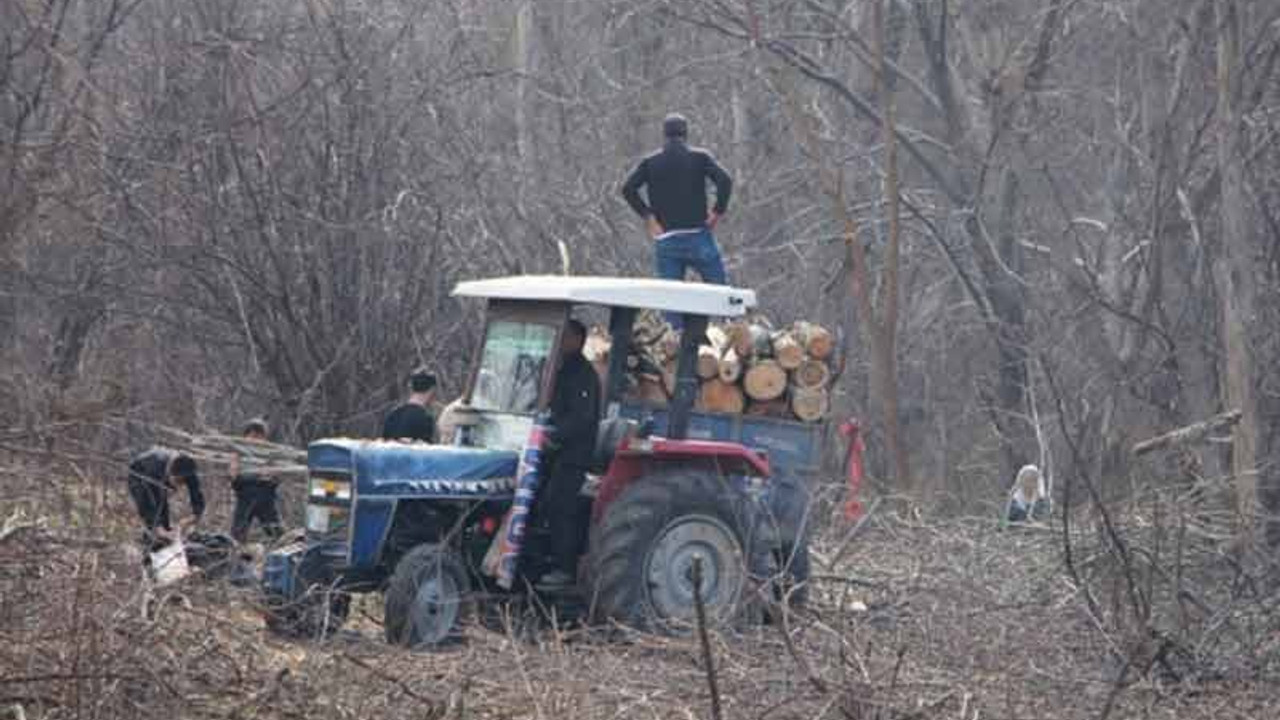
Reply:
x=1190, y=434
x=256, y=455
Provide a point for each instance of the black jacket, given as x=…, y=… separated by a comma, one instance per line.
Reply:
x=150, y=484
x=676, y=181
x=411, y=421
x=575, y=412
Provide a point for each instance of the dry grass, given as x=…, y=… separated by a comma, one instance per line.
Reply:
x=962, y=620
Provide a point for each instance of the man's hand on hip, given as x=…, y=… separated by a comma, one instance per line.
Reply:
x=653, y=226
x=713, y=217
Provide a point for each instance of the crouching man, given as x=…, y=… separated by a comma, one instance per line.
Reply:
x=152, y=475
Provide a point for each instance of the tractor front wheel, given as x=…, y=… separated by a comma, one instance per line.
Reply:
x=428, y=598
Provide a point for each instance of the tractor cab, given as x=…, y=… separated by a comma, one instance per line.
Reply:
x=515, y=371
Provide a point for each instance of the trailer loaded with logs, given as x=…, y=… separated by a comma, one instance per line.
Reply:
x=745, y=367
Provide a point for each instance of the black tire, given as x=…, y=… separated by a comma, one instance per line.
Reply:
x=645, y=545
x=317, y=614
x=428, y=599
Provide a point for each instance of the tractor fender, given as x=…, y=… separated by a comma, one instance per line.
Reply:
x=637, y=457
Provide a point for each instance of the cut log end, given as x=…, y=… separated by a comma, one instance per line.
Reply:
x=765, y=380
x=816, y=340
x=810, y=404
x=730, y=366
x=811, y=374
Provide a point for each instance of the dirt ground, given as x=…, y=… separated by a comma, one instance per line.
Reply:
x=913, y=619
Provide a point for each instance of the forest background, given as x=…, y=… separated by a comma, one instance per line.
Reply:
x=1044, y=229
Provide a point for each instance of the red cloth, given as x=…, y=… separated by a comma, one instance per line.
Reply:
x=852, y=434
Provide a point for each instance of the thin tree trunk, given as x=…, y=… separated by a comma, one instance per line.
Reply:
x=1232, y=270
x=888, y=325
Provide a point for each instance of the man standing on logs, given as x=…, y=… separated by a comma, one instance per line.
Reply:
x=413, y=419
x=152, y=475
x=676, y=216
x=575, y=417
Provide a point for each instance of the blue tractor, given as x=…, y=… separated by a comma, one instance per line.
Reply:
x=676, y=495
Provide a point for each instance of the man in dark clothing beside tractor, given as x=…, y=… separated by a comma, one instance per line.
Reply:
x=575, y=416
x=413, y=419
x=256, y=495
x=676, y=214
x=152, y=475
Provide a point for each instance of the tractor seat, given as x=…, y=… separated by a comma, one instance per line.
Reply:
x=611, y=433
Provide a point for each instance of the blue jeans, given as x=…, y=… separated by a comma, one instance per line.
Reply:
x=697, y=250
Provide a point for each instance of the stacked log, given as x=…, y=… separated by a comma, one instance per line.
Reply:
x=811, y=374
x=745, y=367
x=708, y=365
x=730, y=368
x=766, y=379
x=815, y=339
x=809, y=404
x=716, y=395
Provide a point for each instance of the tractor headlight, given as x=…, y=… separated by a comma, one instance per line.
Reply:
x=328, y=505
x=329, y=490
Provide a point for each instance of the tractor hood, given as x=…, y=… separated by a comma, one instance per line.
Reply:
x=398, y=469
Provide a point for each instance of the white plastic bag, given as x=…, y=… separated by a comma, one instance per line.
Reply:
x=169, y=563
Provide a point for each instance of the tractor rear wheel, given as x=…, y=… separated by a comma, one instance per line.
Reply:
x=428, y=598
x=652, y=537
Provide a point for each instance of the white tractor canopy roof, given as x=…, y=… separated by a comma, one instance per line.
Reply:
x=666, y=295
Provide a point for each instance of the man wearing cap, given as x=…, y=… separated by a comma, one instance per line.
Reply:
x=413, y=419
x=675, y=181
x=256, y=495
x=152, y=475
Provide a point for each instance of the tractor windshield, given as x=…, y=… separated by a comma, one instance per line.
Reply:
x=511, y=365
